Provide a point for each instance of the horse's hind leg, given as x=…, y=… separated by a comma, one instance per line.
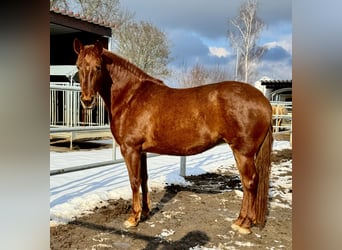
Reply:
x=146, y=206
x=249, y=180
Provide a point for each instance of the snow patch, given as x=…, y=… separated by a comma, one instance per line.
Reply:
x=165, y=233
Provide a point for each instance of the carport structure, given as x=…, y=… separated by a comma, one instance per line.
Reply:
x=68, y=120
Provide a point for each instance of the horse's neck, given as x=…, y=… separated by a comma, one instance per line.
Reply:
x=105, y=93
x=117, y=88
x=124, y=79
x=121, y=68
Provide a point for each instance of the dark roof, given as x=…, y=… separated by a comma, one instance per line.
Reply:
x=272, y=84
x=62, y=21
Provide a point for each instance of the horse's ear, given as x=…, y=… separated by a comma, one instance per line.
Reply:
x=99, y=47
x=78, y=46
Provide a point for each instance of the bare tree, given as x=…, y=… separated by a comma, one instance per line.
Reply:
x=199, y=75
x=243, y=33
x=145, y=46
x=108, y=10
x=142, y=43
x=63, y=4
x=195, y=76
x=217, y=73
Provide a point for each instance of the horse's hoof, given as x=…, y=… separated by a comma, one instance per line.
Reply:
x=241, y=230
x=129, y=224
x=144, y=216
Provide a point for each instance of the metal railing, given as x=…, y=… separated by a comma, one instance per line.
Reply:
x=67, y=111
x=65, y=107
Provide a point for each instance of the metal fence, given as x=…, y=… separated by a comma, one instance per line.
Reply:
x=65, y=107
x=66, y=110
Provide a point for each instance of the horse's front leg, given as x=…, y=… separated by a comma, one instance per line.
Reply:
x=146, y=205
x=132, y=159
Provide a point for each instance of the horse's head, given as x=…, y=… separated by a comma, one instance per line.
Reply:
x=89, y=64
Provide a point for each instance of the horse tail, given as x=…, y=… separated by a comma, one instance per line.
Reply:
x=263, y=168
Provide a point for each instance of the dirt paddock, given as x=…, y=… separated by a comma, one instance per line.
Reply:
x=183, y=217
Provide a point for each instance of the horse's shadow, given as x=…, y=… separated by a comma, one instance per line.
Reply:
x=191, y=239
x=209, y=183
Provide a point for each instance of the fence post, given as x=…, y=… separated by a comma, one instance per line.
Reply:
x=182, y=166
x=114, y=148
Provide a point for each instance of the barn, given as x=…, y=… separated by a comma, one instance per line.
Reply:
x=275, y=90
x=280, y=90
x=68, y=120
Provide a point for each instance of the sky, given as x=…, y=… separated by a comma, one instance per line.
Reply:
x=197, y=31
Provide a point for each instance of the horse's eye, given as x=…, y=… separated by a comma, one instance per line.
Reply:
x=98, y=67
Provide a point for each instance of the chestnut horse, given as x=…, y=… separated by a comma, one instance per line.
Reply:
x=278, y=110
x=148, y=116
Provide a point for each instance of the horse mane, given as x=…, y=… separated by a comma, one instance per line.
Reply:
x=279, y=110
x=124, y=66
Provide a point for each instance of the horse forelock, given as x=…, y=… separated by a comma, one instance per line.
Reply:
x=88, y=52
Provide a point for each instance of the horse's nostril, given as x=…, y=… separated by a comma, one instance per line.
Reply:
x=88, y=101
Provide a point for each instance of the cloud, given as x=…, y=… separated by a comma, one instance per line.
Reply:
x=219, y=52
x=276, y=63
x=279, y=70
x=186, y=45
x=275, y=11
x=275, y=52
x=286, y=43
x=209, y=19
x=191, y=48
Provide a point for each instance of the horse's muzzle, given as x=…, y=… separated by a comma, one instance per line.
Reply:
x=88, y=102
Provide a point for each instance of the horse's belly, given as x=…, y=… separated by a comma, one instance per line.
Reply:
x=185, y=144
x=170, y=150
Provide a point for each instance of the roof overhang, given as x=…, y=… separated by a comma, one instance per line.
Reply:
x=64, y=24
x=277, y=84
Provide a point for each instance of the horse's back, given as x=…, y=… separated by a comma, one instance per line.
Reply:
x=222, y=101
x=228, y=91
